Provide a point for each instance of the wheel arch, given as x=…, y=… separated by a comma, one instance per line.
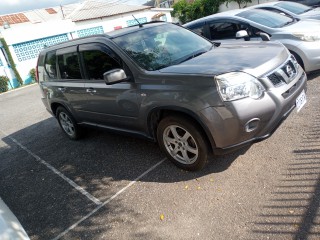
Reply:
x=156, y=114
x=54, y=106
x=298, y=57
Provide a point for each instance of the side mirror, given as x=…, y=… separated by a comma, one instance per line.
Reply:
x=242, y=34
x=114, y=76
x=264, y=37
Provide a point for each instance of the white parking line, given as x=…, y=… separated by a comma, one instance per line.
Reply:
x=68, y=180
x=109, y=200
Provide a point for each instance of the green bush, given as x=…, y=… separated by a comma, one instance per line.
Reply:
x=3, y=84
x=32, y=74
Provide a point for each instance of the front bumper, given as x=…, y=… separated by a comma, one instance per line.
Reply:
x=246, y=121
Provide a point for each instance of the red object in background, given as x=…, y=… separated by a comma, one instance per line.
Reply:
x=117, y=27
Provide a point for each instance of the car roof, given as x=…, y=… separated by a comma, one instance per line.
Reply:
x=229, y=14
x=109, y=35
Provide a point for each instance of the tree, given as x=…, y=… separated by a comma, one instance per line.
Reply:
x=239, y=2
x=189, y=11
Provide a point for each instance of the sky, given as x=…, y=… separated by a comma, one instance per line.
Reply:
x=14, y=6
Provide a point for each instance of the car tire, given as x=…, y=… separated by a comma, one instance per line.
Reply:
x=68, y=124
x=183, y=142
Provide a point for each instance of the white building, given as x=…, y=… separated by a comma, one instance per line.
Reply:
x=28, y=32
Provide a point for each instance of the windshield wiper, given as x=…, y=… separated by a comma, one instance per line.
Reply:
x=287, y=23
x=192, y=56
x=307, y=10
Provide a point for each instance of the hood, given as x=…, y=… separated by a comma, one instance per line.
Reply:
x=305, y=25
x=255, y=58
x=314, y=14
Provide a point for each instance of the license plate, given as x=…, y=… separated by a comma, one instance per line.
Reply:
x=301, y=100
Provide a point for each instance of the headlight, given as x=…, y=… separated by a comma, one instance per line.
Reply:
x=308, y=37
x=237, y=85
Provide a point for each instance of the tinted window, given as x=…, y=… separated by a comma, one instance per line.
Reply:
x=154, y=48
x=97, y=63
x=69, y=66
x=296, y=8
x=50, y=64
x=266, y=18
x=225, y=30
x=276, y=11
x=199, y=30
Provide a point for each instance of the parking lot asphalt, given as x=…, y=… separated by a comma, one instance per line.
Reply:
x=109, y=186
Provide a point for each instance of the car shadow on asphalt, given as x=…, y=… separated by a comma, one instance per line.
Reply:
x=293, y=210
x=102, y=163
x=313, y=75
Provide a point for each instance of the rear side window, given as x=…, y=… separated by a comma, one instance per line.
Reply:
x=50, y=64
x=69, y=66
x=198, y=29
x=97, y=63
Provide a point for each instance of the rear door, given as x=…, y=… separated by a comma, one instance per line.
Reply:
x=70, y=79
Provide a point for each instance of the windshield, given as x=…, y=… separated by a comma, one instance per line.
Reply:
x=153, y=48
x=296, y=8
x=266, y=18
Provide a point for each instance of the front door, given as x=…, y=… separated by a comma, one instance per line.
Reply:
x=111, y=105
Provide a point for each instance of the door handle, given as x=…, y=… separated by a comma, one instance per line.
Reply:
x=62, y=89
x=91, y=90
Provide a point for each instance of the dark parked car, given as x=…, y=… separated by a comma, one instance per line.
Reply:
x=168, y=84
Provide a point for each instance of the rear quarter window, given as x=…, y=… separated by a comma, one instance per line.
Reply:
x=50, y=65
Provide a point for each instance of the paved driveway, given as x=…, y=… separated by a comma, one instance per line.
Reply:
x=109, y=186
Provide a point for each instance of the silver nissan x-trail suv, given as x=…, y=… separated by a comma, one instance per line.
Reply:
x=170, y=85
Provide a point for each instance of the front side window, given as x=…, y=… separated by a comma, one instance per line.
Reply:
x=154, y=48
x=97, y=63
x=296, y=8
x=69, y=66
x=50, y=65
x=225, y=30
x=266, y=18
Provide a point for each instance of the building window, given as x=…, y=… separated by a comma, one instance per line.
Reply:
x=30, y=50
x=134, y=22
x=90, y=31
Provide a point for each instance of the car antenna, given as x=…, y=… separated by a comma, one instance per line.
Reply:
x=140, y=25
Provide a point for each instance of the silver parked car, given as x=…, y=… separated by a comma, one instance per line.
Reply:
x=291, y=9
x=10, y=227
x=301, y=37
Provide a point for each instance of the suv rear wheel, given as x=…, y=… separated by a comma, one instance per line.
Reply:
x=183, y=142
x=68, y=124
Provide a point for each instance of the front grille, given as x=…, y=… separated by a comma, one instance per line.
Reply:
x=276, y=80
x=284, y=74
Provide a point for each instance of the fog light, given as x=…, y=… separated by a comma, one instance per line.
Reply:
x=252, y=124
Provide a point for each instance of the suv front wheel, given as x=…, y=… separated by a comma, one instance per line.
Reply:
x=183, y=142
